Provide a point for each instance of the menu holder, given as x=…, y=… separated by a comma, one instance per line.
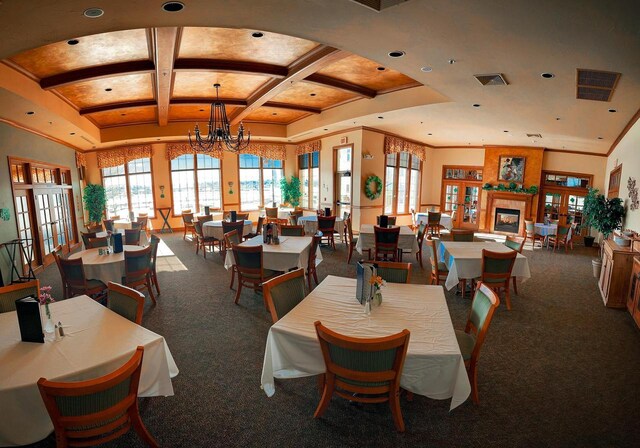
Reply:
x=207, y=209
x=234, y=216
x=117, y=243
x=364, y=290
x=29, y=319
x=384, y=221
x=327, y=211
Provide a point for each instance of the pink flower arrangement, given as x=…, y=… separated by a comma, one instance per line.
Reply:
x=45, y=295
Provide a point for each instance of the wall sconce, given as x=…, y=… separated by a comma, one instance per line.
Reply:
x=162, y=191
x=367, y=155
x=230, y=187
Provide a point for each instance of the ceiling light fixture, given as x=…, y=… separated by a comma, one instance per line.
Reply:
x=548, y=75
x=257, y=34
x=30, y=112
x=108, y=89
x=613, y=111
x=381, y=118
x=173, y=6
x=381, y=68
x=73, y=42
x=219, y=131
x=396, y=54
x=426, y=69
x=93, y=13
x=476, y=105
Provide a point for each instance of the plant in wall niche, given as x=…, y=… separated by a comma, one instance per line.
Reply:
x=291, y=190
x=376, y=191
x=512, y=188
x=95, y=201
x=604, y=215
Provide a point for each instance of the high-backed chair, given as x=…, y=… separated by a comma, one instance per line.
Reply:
x=85, y=237
x=271, y=214
x=363, y=370
x=137, y=270
x=108, y=225
x=496, y=271
x=95, y=228
x=205, y=218
x=9, y=294
x=98, y=242
x=154, y=243
x=125, y=301
x=203, y=241
x=386, y=243
x=433, y=223
x=391, y=220
x=258, y=229
x=227, y=227
x=231, y=238
x=311, y=261
x=92, y=412
x=284, y=292
x=291, y=230
x=77, y=282
x=422, y=231
x=326, y=225
x=136, y=225
x=293, y=217
x=516, y=243
x=462, y=235
x=57, y=255
x=394, y=272
x=144, y=222
x=560, y=239
x=439, y=270
x=242, y=216
x=530, y=233
x=250, y=268
x=187, y=222
x=345, y=216
x=351, y=241
x=485, y=301
x=132, y=237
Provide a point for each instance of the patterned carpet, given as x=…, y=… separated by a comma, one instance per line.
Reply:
x=558, y=370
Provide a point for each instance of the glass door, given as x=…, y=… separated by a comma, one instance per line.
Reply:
x=450, y=201
x=343, y=180
x=461, y=200
x=470, y=207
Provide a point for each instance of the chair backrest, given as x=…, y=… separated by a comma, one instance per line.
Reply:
x=529, y=227
x=98, y=242
x=259, y=225
x=463, y=235
x=231, y=238
x=313, y=250
x=386, y=240
x=187, y=218
x=9, y=294
x=293, y=217
x=73, y=273
x=326, y=224
x=248, y=260
x=108, y=225
x=143, y=215
x=104, y=404
x=563, y=231
x=391, y=220
x=346, y=215
x=155, y=241
x=422, y=229
x=197, y=226
x=515, y=242
x=237, y=226
x=85, y=237
x=497, y=266
x=433, y=218
x=136, y=225
x=115, y=217
x=349, y=225
x=132, y=237
x=394, y=272
x=186, y=210
x=205, y=218
x=284, y=292
x=363, y=365
x=242, y=216
x=271, y=212
x=433, y=257
x=137, y=264
x=143, y=221
x=126, y=301
x=95, y=228
x=485, y=301
x=291, y=230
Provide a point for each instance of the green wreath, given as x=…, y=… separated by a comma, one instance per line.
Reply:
x=367, y=187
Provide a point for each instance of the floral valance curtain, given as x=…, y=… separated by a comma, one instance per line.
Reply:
x=120, y=156
x=394, y=145
x=271, y=151
x=81, y=159
x=312, y=146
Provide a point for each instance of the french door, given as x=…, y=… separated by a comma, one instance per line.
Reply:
x=562, y=206
x=343, y=160
x=54, y=221
x=462, y=201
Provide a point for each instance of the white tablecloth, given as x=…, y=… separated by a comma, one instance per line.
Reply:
x=310, y=224
x=549, y=229
x=464, y=260
x=97, y=342
x=292, y=252
x=108, y=268
x=214, y=229
x=406, y=241
x=433, y=367
x=445, y=220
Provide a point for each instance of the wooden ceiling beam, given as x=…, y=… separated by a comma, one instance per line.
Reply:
x=226, y=66
x=346, y=86
x=309, y=109
x=102, y=71
x=316, y=59
x=116, y=106
x=208, y=101
x=165, y=42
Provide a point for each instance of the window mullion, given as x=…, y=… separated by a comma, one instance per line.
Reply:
x=126, y=181
x=195, y=179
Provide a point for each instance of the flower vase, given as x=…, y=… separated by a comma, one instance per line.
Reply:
x=377, y=298
x=49, y=327
x=367, y=307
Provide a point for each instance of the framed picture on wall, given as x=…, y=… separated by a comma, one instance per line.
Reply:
x=511, y=169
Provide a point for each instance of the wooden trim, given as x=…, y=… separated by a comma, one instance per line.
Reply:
x=41, y=134
x=116, y=106
x=365, y=207
x=615, y=191
x=198, y=101
x=97, y=72
x=458, y=147
x=165, y=48
x=399, y=88
x=582, y=153
x=227, y=66
x=339, y=84
x=626, y=129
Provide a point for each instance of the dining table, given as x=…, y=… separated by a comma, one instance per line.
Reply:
x=291, y=253
x=433, y=367
x=97, y=341
x=106, y=267
x=547, y=230
x=214, y=229
x=310, y=224
x=445, y=219
x=407, y=240
x=464, y=260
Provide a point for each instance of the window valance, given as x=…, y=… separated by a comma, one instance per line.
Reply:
x=271, y=151
x=312, y=146
x=81, y=159
x=394, y=145
x=120, y=156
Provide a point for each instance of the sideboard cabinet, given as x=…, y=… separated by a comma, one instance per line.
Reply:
x=615, y=276
x=633, y=299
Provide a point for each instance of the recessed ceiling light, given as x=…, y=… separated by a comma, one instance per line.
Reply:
x=452, y=61
x=31, y=112
x=257, y=34
x=381, y=68
x=381, y=118
x=548, y=75
x=326, y=129
x=312, y=94
x=599, y=138
x=426, y=69
x=612, y=110
x=274, y=113
x=108, y=89
x=173, y=6
x=201, y=110
x=557, y=118
x=429, y=133
x=396, y=54
x=158, y=139
x=73, y=42
x=72, y=133
x=93, y=13
x=122, y=115
x=505, y=131
x=476, y=105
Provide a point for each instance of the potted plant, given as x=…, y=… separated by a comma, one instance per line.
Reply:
x=95, y=201
x=291, y=190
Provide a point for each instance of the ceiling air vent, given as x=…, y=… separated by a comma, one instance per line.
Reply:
x=379, y=5
x=534, y=135
x=596, y=85
x=492, y=79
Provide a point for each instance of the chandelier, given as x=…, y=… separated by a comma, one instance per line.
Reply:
x=219, y=131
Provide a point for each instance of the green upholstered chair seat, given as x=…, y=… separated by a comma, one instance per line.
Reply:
x=466, y=342
x=512, y=245
x=266, y=272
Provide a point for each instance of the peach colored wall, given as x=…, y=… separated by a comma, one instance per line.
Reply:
x=576, y=163
x=432, y=169
x=373, y=144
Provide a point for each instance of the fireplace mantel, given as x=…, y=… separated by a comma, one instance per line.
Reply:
x=508, y=199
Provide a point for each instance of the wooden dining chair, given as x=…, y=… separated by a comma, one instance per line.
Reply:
x=85, y=237
x=9, y=294
x=125, y=301
x=258, y=231
x=57, y=255
x=516, y=243
x=363, y=370
x=496, y=271
x=137, y=270
x=204, y=218
x=391, y=220
x=227, y=227
x=284, y=292
x=187, y=223
x=242, y=216
x=96, y=411
x=144, y=223
x=439, y=270
x=77, y=281
x=351, y=240
x=386, y=243
x=250, y=269
x=561, y=238
x=485, y=301
x=231, y=238
x=530, y=234
x=108, y=225
x=293, y=217
x=203, y=241
x=312, y=260
x=154, y=243
x=462, y=235
x=132, y=237
x=422, y=231
x=433, y=223
x=326, y=225
x=98, y=242
x=291, y=230
x=271, y=214
x=394, y=272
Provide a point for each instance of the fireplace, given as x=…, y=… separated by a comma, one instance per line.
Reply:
x=507, y=220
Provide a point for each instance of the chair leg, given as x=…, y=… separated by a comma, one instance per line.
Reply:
x=154, y=277
x=315, y=277
x=507, y=297
x=394, y=404
x=473, y=379
x=150, y=288
x=419, y=257
x=138, y=426
x=327, y=393
x=309, y=280
x=350, y=253
x=184, y=237
x=515, y=285
x=233, y=276
x=239, y=289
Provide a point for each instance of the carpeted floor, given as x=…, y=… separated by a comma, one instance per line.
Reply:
x=559, y=370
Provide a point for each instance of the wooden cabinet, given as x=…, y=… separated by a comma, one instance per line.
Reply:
x=633, y=298
x=617, y=262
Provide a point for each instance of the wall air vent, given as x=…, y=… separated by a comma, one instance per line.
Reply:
x=596, y=85
x=492, y=79
x=534, y=135
x=379, y=5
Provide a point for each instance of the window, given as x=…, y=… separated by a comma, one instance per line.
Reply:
x=402, y=183
x=259, y=181
x=129, y=188
x=195, y=181
x=309, y=174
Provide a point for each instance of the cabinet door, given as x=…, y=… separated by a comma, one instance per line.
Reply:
x=633, y=292
x=636, y=300
x=605, y=276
